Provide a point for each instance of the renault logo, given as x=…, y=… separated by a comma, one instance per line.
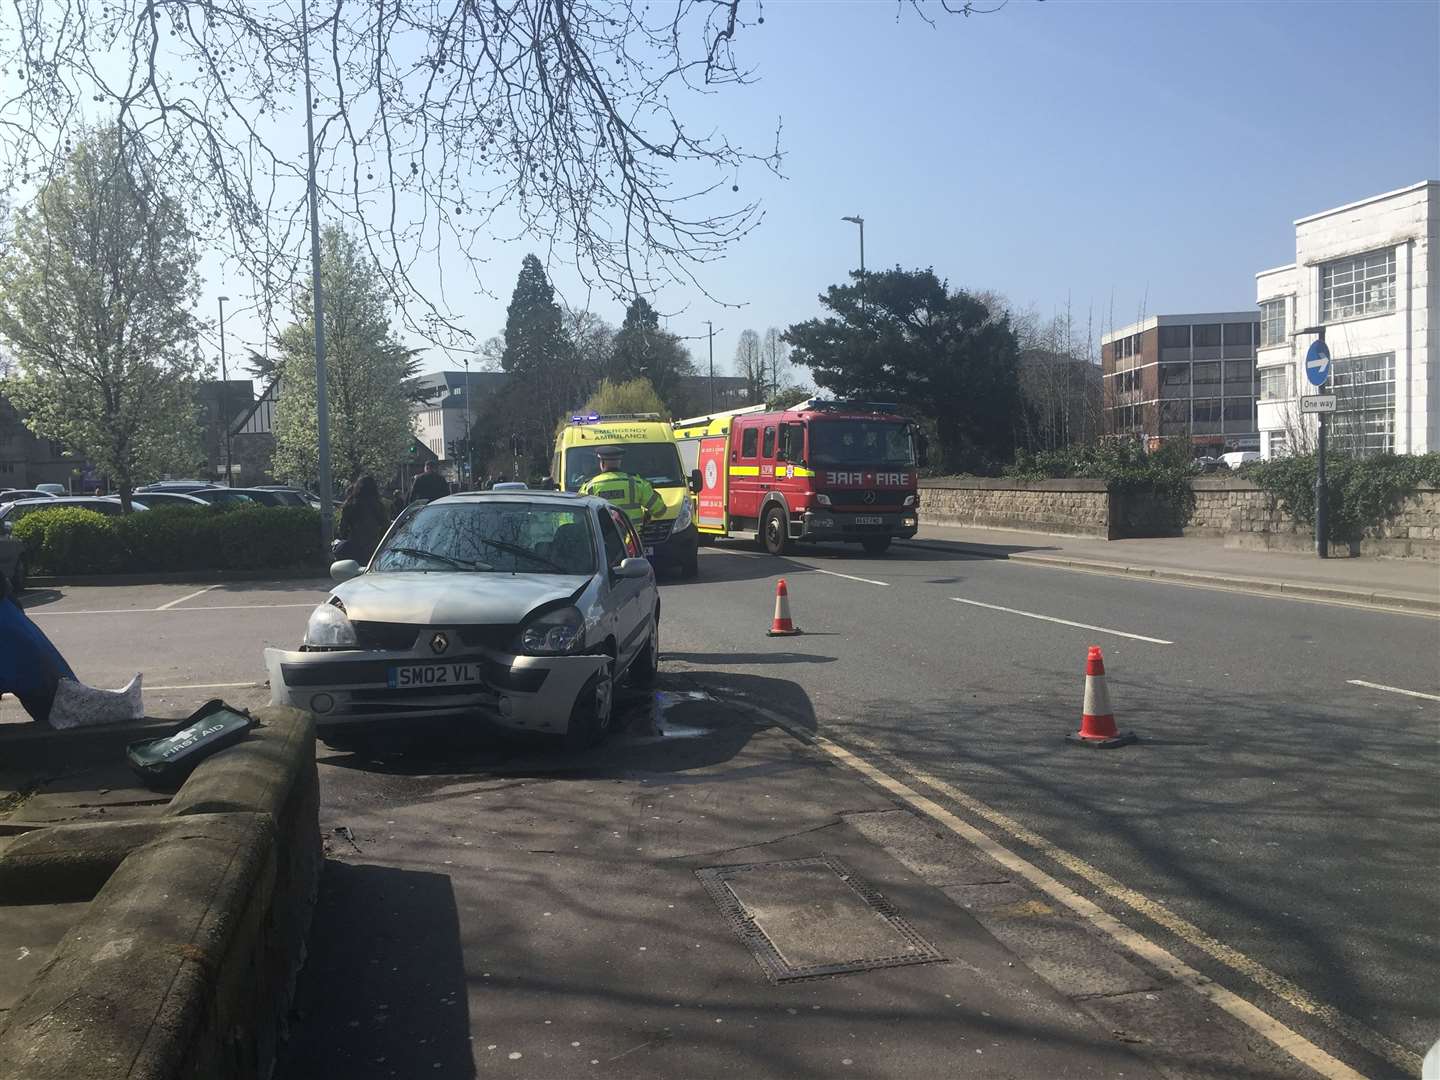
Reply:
x=869, y=497
x=439, y=643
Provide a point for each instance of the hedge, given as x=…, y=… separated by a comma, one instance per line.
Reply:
x=1126, y=467
x=71, y=540
x=1361, y=492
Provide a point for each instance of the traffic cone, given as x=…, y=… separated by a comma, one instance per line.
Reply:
x=781, y=626
x=1097, y=720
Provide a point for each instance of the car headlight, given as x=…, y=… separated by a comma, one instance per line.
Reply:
x=682, y=519
x=555, y=633
x=822, y=500
x=329, y=627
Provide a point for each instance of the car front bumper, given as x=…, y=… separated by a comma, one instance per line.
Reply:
x=348, y=690
x=833, y=525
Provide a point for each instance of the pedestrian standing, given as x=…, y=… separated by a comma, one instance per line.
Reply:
x=429, y=484
x=363, y=520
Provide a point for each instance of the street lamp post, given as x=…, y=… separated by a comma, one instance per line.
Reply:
x=856, y=219
x=711, y=325
x=225, y=396
x=1322, y=493
x=469, y=455
x=322, y=405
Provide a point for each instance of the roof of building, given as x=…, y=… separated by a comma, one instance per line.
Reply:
x=1190, y=319
x=1371, y=199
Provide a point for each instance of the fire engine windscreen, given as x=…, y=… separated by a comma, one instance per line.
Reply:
x=657, y=462
x=861, y=442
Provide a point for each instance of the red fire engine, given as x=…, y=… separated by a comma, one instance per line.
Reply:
x=824, y=470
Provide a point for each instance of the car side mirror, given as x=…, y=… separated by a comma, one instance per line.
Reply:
x=633, y=568
x=696, y=481
x=344, y=570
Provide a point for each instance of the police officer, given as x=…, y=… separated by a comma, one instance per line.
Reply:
x=630, y=493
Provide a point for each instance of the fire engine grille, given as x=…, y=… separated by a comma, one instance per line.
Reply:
x=813, y=918
x=864, y=498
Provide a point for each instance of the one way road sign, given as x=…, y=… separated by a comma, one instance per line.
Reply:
x=1317, y=363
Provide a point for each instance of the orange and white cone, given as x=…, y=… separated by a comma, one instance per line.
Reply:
x=1097, y=719
x=781, y=625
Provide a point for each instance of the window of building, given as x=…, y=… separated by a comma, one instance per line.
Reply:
x=1358, y=286
x=1364, y=421
x=1239, y=375
x=1174, y=412
x=1174, y=337
x=1174, y=374
x=1206, y=334
x=1237, y=333
x=1274, y=383
x=1279, y=444
x=1206, y=410
x=1240, y=409
x=1206, y=374
x=1272, y=322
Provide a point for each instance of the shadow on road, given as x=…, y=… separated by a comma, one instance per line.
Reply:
x=741, y=658
x=384, y=991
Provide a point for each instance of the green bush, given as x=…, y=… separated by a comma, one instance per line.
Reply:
x=71, y=540
x=75, y=541
x=1163, y=475
x=1362, y=492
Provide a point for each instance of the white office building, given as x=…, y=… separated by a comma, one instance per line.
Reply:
x=1367, y=272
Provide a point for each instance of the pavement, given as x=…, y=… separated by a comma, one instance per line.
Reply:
x=1196, y=560
x=1255, y=871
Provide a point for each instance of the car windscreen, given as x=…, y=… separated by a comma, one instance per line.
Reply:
x=861, y=442
x=657, y=462
x=499, y=537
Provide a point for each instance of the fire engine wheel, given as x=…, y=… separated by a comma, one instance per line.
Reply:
x=774, y=531
x=875, y=545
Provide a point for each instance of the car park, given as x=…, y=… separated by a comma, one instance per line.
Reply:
x=516, y=610
x=15, y=494
x=155, y=499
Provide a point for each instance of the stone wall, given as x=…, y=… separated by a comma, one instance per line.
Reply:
x=1063, y=507
x=1248, y=517
x=1237, y=510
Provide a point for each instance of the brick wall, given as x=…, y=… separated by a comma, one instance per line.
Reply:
x=1065, y=507
x=1237, y=510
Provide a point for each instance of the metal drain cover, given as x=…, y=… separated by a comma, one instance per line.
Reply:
x=809, y=918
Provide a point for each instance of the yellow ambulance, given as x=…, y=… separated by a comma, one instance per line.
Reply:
x=670, y=538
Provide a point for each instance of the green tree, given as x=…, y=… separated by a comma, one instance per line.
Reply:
x=635, y=396
x=903, y=336
x=97, y=290
x=644, y=351
x=370, y=374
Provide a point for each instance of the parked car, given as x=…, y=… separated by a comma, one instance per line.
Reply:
x=293, y=496
x=220, y=496
x=15, y=494
x=52, y=489
x=1235, y=458
x=519, y=608
x=272, y=496
x=181, y=486
x=154, y=499
x=10, y=513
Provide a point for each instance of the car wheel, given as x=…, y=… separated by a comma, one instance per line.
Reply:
x=593, y=712
x=875, y=545
x=646, y=664
x=774, y=532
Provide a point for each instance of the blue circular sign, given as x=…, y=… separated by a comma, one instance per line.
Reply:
x=1317, y=363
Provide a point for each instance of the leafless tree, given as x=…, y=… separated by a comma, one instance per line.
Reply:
x=441, y=127
x=775, y=355
x=750, y=366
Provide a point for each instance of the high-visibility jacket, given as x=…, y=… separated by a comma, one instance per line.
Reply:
x=633, y=494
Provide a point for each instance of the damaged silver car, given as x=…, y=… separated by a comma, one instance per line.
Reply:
x=521, y=609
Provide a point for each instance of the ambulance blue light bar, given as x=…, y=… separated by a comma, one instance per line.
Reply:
x=582, y=418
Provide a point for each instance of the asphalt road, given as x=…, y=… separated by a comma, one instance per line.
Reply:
x=1286, y=812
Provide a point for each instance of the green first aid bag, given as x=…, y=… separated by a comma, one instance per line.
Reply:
x=164, y=763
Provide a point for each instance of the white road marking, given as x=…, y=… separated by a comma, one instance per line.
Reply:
x=1063, y=622
x=206, y=686
x=849, y=577
x=1393, y=689
x=1294, y=1044
x=187, y=596
x=168, y=611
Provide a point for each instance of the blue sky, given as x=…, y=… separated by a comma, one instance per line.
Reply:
x=1125, y=157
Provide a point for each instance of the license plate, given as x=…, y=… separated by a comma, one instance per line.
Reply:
x=649, y=552
x=417, y=675
x=867, y=520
